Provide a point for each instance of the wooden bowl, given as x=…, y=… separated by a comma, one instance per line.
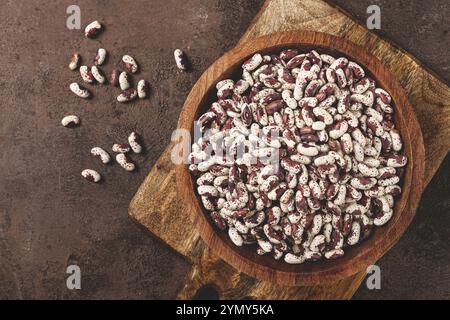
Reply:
x=356, y=258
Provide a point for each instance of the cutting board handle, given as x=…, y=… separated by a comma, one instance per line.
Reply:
x=214, y=274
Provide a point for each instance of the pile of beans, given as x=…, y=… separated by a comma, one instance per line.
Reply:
x=300, y=157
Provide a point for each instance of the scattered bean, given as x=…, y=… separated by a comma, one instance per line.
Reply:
x=79, y=90
x=121, y=147
x=93, y=29
x=91, y=175
x=101, y=154
x=98, y=74
x=70, y=121
x=129, y=64
x=134, y=141
x=86, y=74
x=180, y=59
x=125, y=162
x=74, y=60
x=127, y=95
x=143, y=88
x=100, y=57
x=124, y=81
x=115, y=75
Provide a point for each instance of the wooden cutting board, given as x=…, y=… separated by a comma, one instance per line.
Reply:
x=158, y=209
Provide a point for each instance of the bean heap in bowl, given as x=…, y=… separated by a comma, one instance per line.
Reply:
x=300, y=157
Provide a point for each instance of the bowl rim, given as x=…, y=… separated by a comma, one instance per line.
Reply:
x=411, y=134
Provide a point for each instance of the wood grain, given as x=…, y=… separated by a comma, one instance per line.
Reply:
x=156, y=205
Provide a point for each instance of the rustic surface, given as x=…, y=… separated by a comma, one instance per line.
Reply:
x=279, y=15
x=50, y=218
x=412, y=26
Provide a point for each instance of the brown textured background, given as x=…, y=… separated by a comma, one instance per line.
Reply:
x=50, y=217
